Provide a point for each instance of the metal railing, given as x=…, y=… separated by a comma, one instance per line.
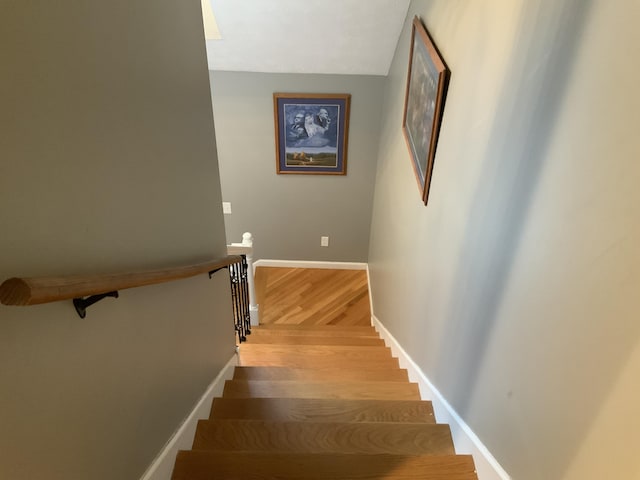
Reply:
x=86, y=290
x=246, y=248
x=240, y=298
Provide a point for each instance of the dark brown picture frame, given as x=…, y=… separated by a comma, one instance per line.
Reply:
x=312, y=132
x=427, y=82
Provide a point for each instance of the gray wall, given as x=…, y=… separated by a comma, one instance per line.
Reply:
x=288, y=214
x=107, y=164
x=522, y=304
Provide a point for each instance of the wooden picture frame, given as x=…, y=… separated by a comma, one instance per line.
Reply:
x=427, y=82
x=312, y=131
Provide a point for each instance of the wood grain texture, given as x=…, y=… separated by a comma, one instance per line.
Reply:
x=37, y=290
x=323, y=437
x=283, y=359
x=307, y=296
x=314, y=340
x=334, y=389
x=310, y=356
x=366, y=373
x=322, y=410
x=268, y=331
x=207, y=465
x=312, y=399
x=342, y=329
x=318, y=351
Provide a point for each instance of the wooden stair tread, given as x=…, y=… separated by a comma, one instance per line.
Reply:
x=293, y=339
x=335, y=389
x=326, y=410
x=348, y=351
x=367, y=373
x=206, y=465
x=323, y=437
x=256, y=359
x=320, y=350
x=312, y=355
x=316, y=332
x=346, y=329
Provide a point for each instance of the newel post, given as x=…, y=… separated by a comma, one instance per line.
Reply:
x=247, y=241
x=246, y=248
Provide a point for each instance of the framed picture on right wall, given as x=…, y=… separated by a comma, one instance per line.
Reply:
x=427, y=82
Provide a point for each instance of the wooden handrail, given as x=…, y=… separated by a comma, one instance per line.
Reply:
x=37, y=290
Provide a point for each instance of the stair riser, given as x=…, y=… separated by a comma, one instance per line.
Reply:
x=315, y=374
x=308, y=437
x=337, y=390
x=255, y=332
x=321, y=410
x=205, y=465
x=256, y=360
x=311, y=340
x=346, y=351
x=323, y=328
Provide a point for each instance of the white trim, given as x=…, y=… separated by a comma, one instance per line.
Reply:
x=162, y=467
x=254, y=315
x=369, y=291
x=311, y=264
x=465, y=441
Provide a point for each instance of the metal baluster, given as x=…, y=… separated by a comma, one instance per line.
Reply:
x=239, y=319
x=233, y=274
x=246, y=301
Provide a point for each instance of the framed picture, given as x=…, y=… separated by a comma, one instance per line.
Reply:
x=311, y=132
x=427, y=83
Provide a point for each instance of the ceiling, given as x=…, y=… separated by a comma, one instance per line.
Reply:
x=356, y=37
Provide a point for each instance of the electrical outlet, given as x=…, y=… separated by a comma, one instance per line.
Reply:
x=324, y=241
x=226, y=208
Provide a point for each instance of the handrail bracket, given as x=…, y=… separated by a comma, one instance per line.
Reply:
x=217, y=270
x=82, y=304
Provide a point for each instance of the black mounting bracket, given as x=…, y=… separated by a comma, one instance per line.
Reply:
x=216, y=270
x=82, y=304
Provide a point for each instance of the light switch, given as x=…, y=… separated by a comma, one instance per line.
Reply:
x=226, y=208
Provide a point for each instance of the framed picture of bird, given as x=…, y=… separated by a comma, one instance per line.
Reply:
x=312, y=131
x=427, y=83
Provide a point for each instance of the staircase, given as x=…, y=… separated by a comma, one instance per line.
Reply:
x=320, y=402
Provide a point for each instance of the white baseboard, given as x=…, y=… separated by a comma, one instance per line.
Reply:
x=182, y=439
x=370, y=295
x=310, y=264
x=465, y=441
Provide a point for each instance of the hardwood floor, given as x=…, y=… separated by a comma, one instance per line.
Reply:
x=317, y=395
x=305, y=296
